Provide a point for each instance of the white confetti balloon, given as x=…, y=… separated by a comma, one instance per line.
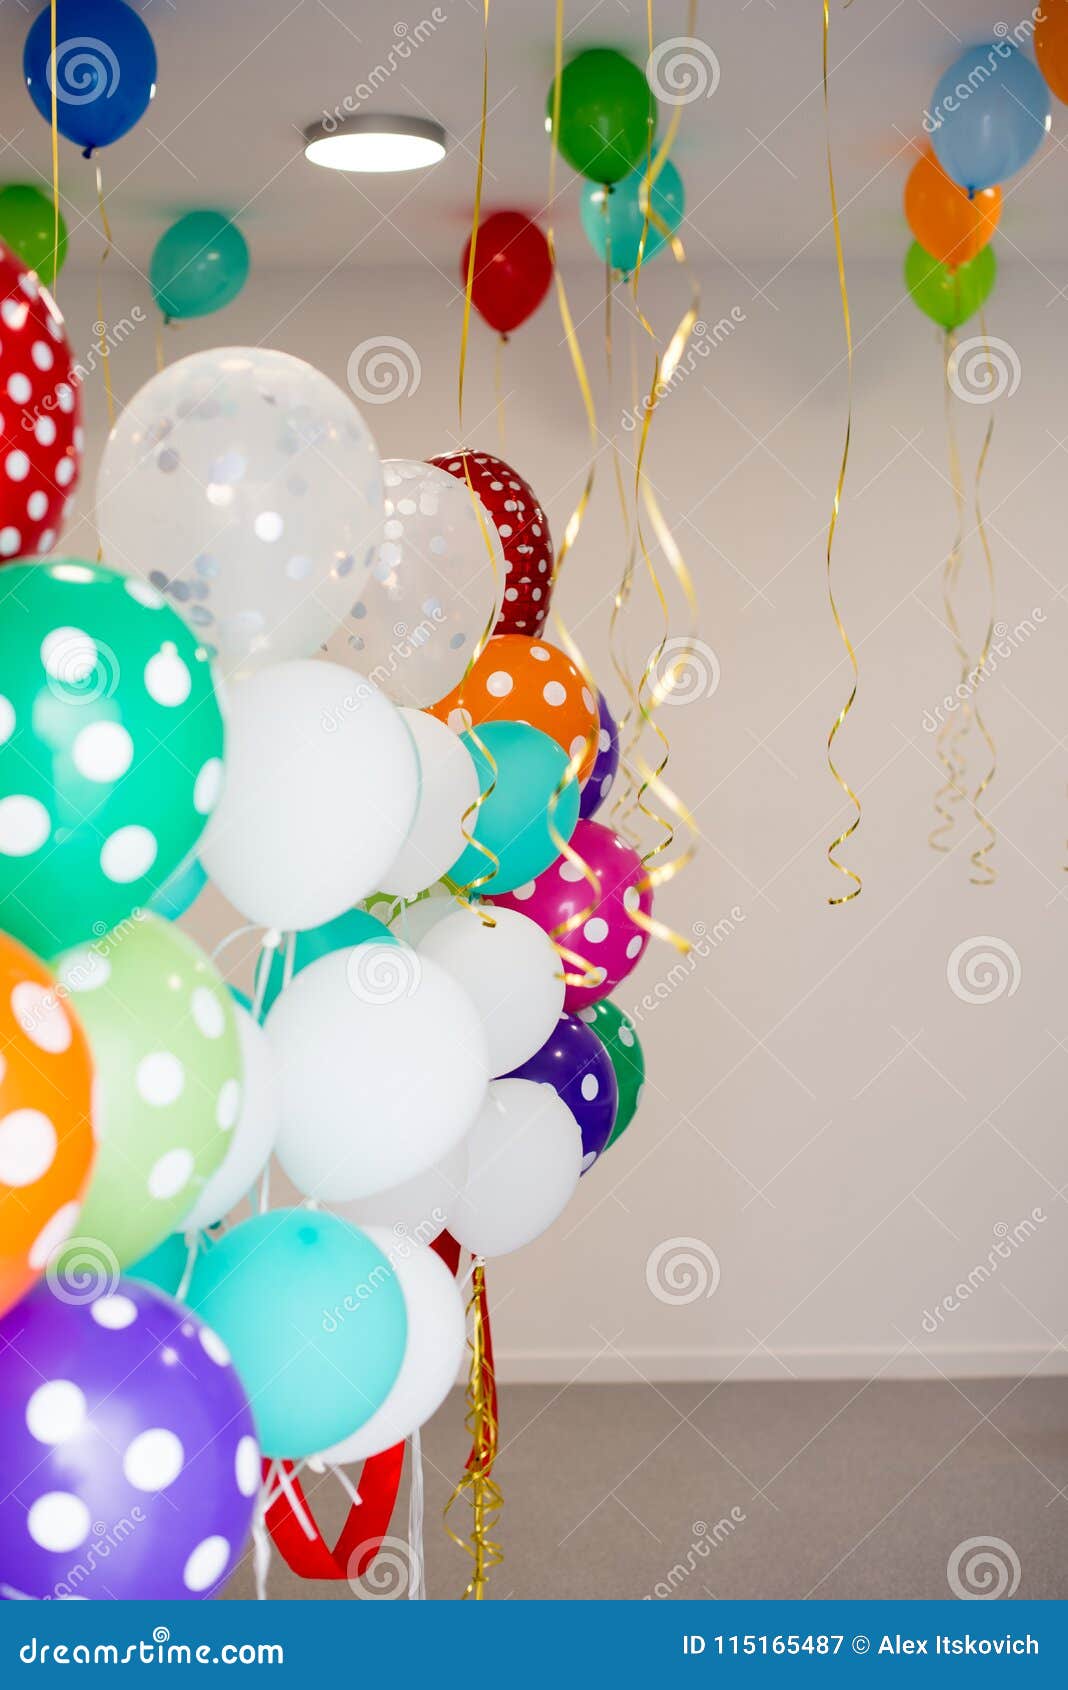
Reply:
x=247, y=488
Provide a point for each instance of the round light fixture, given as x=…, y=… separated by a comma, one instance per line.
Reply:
x=375, y=143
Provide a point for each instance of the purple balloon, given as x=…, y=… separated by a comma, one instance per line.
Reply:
x=577, y=1066
x=603, y=773
x=129, y=1465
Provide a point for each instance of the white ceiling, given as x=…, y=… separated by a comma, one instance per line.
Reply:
x=239, y=79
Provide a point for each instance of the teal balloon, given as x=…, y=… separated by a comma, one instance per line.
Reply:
x=613, y=218
x=199, y=265
x=355, y=927
x=164, y=1266
x=514, y=821
x=180, y=892
x=313, y=1316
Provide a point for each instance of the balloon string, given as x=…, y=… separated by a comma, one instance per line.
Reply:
x=847, y=832
x=949, y=746
x=984, y=872
x=55, y=149
x=417, y=1584
x=478, y=1483
x=101, y=325
x=475, y=216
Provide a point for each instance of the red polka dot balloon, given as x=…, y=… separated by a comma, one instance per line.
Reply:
x=524, y=531
x=40, y=415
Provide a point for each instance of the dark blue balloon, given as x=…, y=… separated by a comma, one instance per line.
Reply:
x=578, y=1067
x=604, y=769
x=105, y=69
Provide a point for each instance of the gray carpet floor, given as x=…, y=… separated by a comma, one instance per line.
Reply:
x=835, y=1490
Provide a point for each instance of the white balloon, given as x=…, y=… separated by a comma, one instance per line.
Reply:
x=420, y=1208
x=436, y=1339
x=321, y=785
x=526, y=1158
x=447, y=790
x=431, y=588
x=248, y=488
x=512, y=974
x=383, y=1067
x=253, y=1136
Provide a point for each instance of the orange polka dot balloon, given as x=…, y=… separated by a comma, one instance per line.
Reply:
x=46, y=1135
x=517, y=679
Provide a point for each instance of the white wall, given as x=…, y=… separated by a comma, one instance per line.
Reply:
x=823, y=1112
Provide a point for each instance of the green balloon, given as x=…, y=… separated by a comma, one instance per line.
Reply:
x=619, y=1036
x=163, y=1034
x=607, y=114
x=111, y=747
x=28, y=227
x=513, y=822
x=950, y=296
x=352, y=928
x=199, y=265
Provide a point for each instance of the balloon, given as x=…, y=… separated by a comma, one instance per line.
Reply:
x=129, y=1466
x=526, y=1159
x=322, y=784
x=512, y=974
x=448, y=787
x=163, y=1033
x=989, y=114
x=523, y=530
x=431, y=588
x=46, y=1136
x=314, y=1316
x=513, y=269
x=42, y=431
x=382, y=1068
x=437, y=1335
x=105, y=69
x=949, y=297
x=577, y=1066
x=619, y=1036
x=198, y=266
x=1051, y=44
x=609, y=940
x=606, y=762
x=340, y=934
x=180, y=891
x=614, y=218
x=521, y=680
x=947, y=223
x=252, y=1139
x=28, y=229
x=607, y=114
x=513, y=823
x=164, y=1267
x=247, y=487
x=420, y=1207
x=111, y=747
x=411, y=922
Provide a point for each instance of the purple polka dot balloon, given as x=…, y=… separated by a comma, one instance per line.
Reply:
x=578, y=1067
x=129, y=1465
x=603, y=773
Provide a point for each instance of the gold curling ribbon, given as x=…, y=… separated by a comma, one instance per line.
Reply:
x=55, y=151
x=478, y=1484
x=847, y=832
x=498, y=389
x=101, y=325
x=952, y=733
x=983, y=871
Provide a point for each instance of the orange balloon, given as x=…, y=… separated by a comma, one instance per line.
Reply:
x=46, y=1133
x=947, y=224
x=518, y=679
x=1051, y=45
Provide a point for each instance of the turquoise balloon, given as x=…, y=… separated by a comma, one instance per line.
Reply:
x=164, y=1266
x=313, y=1316
x=514, y=822
x=199, y=265
x=613, y=217
x=180, y=892
x=355, y=927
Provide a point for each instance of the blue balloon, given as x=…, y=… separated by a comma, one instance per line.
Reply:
x=613, y=217
x=105, y=69
x=355, y=927
x=988, y=116
x=180, y=892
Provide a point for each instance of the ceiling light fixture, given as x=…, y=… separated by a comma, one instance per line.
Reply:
x=375, y=143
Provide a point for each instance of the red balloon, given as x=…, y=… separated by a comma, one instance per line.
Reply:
x=40, y=414
x=512, y=270
x=524, y=532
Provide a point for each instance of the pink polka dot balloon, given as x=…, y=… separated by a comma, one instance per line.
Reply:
x=40, y=422
x=609, y=940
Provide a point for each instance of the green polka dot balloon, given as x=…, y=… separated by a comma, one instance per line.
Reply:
x=163, y=1035
x=111, y=743
x=619, y=1036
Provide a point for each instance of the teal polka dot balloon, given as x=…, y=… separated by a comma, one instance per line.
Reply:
x=111, y=743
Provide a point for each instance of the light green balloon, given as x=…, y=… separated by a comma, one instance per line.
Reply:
x=164, y=1041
